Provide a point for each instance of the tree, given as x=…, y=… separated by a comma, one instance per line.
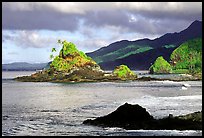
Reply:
x=53, y=50
x=59, y=41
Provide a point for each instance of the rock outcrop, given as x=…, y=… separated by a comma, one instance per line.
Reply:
x=160, y=66
x=123, y=72
x=71, y=59
x=136, y=117
x=72, y=65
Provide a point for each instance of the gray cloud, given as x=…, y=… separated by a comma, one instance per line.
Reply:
x=67, y=16
x=118, y=21
x=45, y=18
x=129, y=22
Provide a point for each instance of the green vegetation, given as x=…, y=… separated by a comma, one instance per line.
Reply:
x=123, y=52
x=123, y=72
x=60, y=64
x=188, y=57
x=139, y=50
x=169, y=46
x=160, y=66
x=69, y=58
x=180, y=71
x=53, y=50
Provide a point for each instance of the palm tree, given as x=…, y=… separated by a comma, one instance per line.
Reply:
x=59, y=41
x=53, y=50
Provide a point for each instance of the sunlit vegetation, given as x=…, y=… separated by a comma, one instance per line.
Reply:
x=123, y=52
x=139, y=50
x=160, y=66
x=70, y=57
x=188, y=57
x=123, y=71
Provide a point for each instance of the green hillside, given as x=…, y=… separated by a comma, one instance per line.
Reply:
x=188, y=57
x=122, y=53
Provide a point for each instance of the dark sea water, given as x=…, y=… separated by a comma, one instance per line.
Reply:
x=44, y=108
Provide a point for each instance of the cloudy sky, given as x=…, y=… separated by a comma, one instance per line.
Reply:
x=30, y=30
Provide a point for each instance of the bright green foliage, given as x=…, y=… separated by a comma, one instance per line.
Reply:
x=68, y=48
x=123, y=71
x=160, y=66
x=69, y=57
x=60, y=64
x=53, y=50
x=180, y=71
x=121, y=53
x=188, y=56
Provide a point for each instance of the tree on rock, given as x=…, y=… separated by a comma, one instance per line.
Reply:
x=123, y=72
x=160, y=66
x=70, y=58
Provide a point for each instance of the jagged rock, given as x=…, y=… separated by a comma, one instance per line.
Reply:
x=136, y=117
x=128, y=116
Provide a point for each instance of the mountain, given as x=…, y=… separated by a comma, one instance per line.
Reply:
x=140, y=54
x=140, y=61
x=23, y=66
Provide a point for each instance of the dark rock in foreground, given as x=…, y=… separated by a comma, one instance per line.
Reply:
x=136, y=117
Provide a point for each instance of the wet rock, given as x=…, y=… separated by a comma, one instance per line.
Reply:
x=126, y=116
x=136, y=117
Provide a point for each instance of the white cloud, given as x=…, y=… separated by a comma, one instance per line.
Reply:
x=27, y=39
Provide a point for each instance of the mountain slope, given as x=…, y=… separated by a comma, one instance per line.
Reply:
x=23, y=66
x=140, y=61
x=188, y=56
x=120, y=51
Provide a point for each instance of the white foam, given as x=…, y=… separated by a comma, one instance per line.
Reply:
x=184, y=88
x=186, y=85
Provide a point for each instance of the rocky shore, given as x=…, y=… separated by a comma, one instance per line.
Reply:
x=72, y=65
x=136, y=117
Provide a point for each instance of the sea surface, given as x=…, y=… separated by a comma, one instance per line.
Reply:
x=48, y=109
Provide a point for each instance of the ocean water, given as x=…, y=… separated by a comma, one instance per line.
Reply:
x=48, y=109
